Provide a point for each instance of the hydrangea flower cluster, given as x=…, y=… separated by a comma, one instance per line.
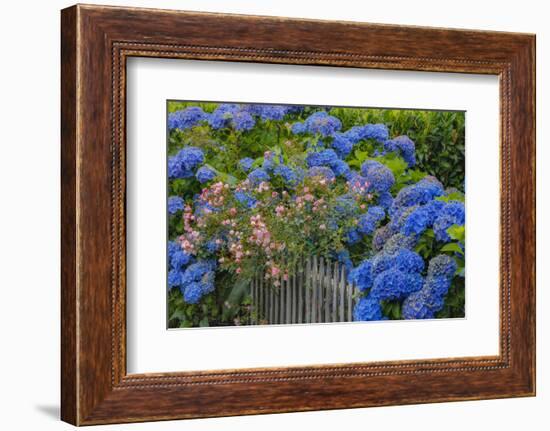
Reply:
x=320, y=123
x=343, y=143
x=246, y=164
x=426, y=302
x=205, y=174
x=404, y=146
x=175, y=204
x=185, y=163
x=379, y=176
x=186, y=118
x=328, y=158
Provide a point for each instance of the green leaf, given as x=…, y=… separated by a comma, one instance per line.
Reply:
x=178, y=314
x=457, y=232
x=429, y=233
x=396, y=310
x=397, y=165
x=361, y=156
x=417, y=175
x=455, y=196
x=234, y=298
x=452, y=247
x=204, y=322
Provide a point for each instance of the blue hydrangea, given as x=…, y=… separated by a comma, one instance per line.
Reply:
x=269, y=162
x=186, y=118
x=222, y=115
x=415, y=306
x=408, y=261
x=207, y=282
x=245, y=199
x=184, y=163
x=180, y=259
x=425, y=303
x=322, y=123
x=205, y=174
x=340, y=168
x=370, y=220
x=343, y=257
x=272, y=112
x=399, y=217
x=192, y=292
x=246, y=164
x=403, y=146
x=418, y=194
x=257, y=176
x=321, y=171
x=172, y=247
x=361, y=275
x=330, y=159
x=378, y=132
x=351, y=175
x=196, y=271
x=321, y=158
x=354, y=134
x=442, y=265
x=398, y=241
x=452, y=213
x=298, y=128
x=342, y=145
x=287, y=174
x=393, y=284
x=385, y=200
x=212, y=246
x=437, y=286
x=381, y=235
x=402, y=259
x=379, y=176
x=175, y=204
x=367, y=309
x=352, y=236
x=174, y=278
x=382, y=262
x=242, y=121
x=368, y=165
x=416, y=222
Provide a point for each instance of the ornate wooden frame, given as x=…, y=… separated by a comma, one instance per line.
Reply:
x=95, y=43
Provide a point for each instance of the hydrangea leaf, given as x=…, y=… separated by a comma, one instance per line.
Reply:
x=454, y=196
x=457, y=232
x=235, y=297
x=452, y=247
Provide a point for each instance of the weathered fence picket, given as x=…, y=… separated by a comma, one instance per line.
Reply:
x=316, y=292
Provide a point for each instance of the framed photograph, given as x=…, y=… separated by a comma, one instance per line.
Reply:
x=268, y=215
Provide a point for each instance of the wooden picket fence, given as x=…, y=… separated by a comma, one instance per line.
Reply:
x=316, y=292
